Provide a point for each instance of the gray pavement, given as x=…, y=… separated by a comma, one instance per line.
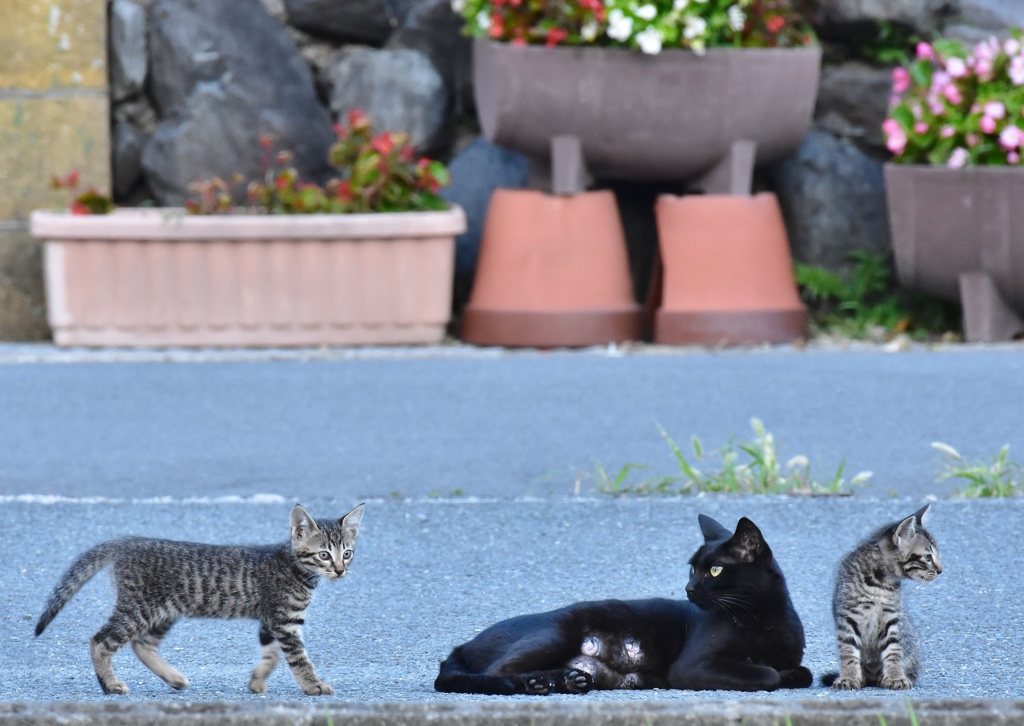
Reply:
x=430, y=573
x=488, y=423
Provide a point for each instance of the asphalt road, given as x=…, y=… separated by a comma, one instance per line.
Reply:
x=485, y=423
x=430, y=573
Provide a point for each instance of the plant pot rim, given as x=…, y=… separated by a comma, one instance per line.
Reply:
x=539, y=47
x=171, y=223
x=943, y=169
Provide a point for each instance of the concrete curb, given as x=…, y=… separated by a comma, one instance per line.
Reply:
x=863, y=712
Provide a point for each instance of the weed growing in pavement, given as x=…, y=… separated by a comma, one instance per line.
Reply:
x=999, y=478
x=745, y=467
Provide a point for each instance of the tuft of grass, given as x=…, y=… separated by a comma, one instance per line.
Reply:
x=997, y=478
x=745, y=467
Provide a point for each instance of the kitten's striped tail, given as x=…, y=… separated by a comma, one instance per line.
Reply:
x=81, y=570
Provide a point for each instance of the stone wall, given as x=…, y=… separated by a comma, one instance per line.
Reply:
x=54, y=117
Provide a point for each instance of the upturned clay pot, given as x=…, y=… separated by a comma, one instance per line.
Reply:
x=553, y=271
x=727, y=272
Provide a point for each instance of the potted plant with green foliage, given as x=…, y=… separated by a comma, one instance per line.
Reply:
x=694, y=91
x=367, y=258
x=955, y=185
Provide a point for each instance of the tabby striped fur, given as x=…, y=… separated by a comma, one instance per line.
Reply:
x=161, y=581
x=878, y=645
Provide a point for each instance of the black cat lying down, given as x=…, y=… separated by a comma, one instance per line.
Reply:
x=738, y=631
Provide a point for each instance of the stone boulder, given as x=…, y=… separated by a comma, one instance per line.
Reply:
x=975, y=20
x=923, y=16
x=476, y=172
x=833, y=199
x=223, y=74
x=399, y=90
x=126, y=144
x=853, y=100
x=128, y=60
x=348, y=21
x=433, y=28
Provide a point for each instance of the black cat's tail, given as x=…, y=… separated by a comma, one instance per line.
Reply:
x=456, y=677
x=827, y=679
x=80, y=572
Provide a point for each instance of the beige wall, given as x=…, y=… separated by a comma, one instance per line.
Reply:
x=54, y=118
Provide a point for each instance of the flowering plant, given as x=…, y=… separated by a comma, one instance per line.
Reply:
x=646, y=25
x=379, y=173
x=88, y=202
x=957, y=107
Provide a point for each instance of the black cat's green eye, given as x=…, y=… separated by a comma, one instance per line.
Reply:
x=347, y=555
x=325, y=555
x=715, y=571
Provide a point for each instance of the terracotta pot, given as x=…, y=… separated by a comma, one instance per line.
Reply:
x=670, y=116
x=164, y=278
x=728, y=275
x=553, y=271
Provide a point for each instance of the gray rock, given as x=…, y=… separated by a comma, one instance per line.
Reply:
x=921, y=15
x=359, y=21
x=399, y=90
x=137, y=111
x=127, y=49
x=222, y=75
x=476, y=172
x=127, y=142
x=430, y=26
x=22, y=295
x=975, y=20
x=833, y=198
x=853, y=100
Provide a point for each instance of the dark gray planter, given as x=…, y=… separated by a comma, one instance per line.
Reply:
x=671, y=116
x=958, y=234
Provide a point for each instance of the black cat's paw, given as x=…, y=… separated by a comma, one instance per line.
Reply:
x=798, y=677
x=578, y=681
x=537, y=685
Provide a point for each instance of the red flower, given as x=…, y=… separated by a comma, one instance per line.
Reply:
x=281, y=182
x=556, y=36
x=406, y=153
x=340, y=131
x=72, y=180
x=497, y=26
x=357, y=120
x=79, y=208
x=775, y=24
x=383, y=144
x=345, y=191
x=267, y=142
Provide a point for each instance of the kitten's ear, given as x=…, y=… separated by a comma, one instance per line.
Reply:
x=351, y=520
x=712, y=530
x=921, y=513
x=302, y=524
x=906, y=530
x=748, y=542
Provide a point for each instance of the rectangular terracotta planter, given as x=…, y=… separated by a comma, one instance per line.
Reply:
x=164, y=278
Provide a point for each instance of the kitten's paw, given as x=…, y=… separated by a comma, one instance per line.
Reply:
x=117, y=688
x=538, y=685
x=258, y=686
x=798, y=677
x=847, y=684
x=900, y=683
x=319, y=689
x=578, y=681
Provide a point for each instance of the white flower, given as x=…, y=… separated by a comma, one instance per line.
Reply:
x=649, y=41
x=647, y=12
x=956, y=67
x=680, y=5
x=957, y=160
x=458, y=6
x=1016, y=70
x=1012, y=46
x=737, y=18
x=695, y=27
x=483, y=20
x=620, y=27
x=589, y=30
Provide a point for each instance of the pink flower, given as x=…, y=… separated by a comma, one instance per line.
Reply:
x=1011, y=138
x=920, y=128
x=936, y=106
x=956, y=67
x=1013, y=158
x=1016, y=70
x=900, y=80
x=953, y=95
x=940, y=79
x=972, y=140
x=958, y=158
x=896, y=139
x=983, y=67
x=988, y=124
x=947, y=132
x=925, y=51
x=1012, y=46
x=995, y=109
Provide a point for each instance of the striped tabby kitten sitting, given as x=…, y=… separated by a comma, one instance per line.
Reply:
x=159, y=581
x=878, y=644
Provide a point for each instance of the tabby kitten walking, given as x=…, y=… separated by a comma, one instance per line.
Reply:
x=159, y=581
x=878, y=644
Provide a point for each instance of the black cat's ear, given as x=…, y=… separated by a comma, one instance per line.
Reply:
x=302, y=524
x=350, y=521
x=921, y=513
x=748, y=543
x=712, y=530
x=905, y=530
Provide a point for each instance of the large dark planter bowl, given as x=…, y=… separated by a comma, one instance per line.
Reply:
x=946, y=222
x=665, y=117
